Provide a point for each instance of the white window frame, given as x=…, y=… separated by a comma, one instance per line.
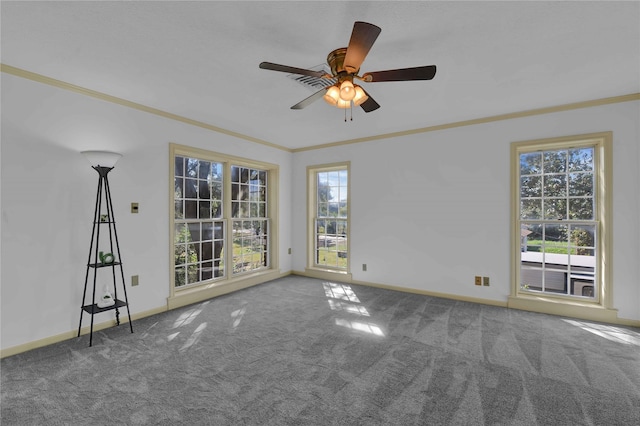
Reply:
x=245, y=210
x=599, y=307
x=314, y=269
x=230, y=281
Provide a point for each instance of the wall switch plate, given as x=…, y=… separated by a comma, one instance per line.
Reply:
x=485, y=281
x=478, y=280
x=134, y=280
x=289, y=250
x=364, y=267
x=134, y=207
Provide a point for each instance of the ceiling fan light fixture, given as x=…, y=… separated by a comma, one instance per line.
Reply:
x=360, y=96
x=332, y=96
x=347, y=91
x=343, y=104
x=345, y=63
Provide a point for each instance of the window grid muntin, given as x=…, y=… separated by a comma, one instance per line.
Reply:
x=198, y=232
x=205, y=266
x=188, y=171
x=330, y=246
x=250, y=225
x=567, y=194
x=559, y=198
x=578, y=268
x=197, y=204
x=331, y=242
x=250, y=185
x=250, y=245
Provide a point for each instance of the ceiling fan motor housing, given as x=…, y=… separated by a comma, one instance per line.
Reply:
x=335, y=60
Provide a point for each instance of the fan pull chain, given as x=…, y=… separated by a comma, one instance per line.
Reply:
x=351, y=112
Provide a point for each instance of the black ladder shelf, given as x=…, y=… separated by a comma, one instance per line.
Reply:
x=114, y=263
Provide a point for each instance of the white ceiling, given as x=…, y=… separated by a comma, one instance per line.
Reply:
x=200, y=59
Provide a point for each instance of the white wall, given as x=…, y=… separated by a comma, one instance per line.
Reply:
x=430, y=211
x=438, y=202
x=48, y=194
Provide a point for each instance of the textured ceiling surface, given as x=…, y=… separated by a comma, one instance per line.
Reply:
x=200, y=59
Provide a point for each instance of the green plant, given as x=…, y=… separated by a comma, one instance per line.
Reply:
x=581, y=238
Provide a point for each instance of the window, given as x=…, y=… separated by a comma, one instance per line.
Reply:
x=222, y=217
x=561, y=210
x=329, y=217
x=249, y=218
x=198, y=222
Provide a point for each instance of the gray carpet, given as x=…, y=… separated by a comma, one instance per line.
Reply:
x=300, y=351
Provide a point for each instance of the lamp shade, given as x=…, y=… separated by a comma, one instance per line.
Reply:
x=347, y=91
x=360, y=97
x=343, y=104
x=102, y=158
x=332, y=95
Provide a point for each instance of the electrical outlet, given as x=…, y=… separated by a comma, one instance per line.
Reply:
x=485, y=281
x=478, y=280
x=364, y=267
x=134, y=280
x=289, y=250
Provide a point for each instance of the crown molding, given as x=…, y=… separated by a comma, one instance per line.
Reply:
x=509, y=116
x=140, y=107
x=103, y=96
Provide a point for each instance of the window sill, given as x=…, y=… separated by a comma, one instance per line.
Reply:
x=188, y=296
x=565, y=308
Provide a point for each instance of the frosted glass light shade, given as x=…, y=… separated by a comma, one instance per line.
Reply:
x=343, y=104
x=332, y=95
x=102, y=158
x=347, y=91
x=360, y=97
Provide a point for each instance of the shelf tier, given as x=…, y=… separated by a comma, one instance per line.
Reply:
x=104, y=265
x=94, y=309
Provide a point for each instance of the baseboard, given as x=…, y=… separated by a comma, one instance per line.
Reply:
x=190, y=296
x=72, y=334
x=434, y=294
x=561, y=308
x=326, y=274
x=585, y=312
x=593, y=314
x=186, y=299
x=629, y=322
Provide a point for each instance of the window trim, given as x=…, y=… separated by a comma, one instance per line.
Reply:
x=312, y=269
x=181, y=296
x=601, y=307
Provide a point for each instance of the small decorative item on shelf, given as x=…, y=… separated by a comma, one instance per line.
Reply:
x=104, y=218
x=106, y=257
x=106, y=300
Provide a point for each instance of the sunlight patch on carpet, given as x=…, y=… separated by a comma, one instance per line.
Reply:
x=340, y=291
x=360, y=326
x=615, y=334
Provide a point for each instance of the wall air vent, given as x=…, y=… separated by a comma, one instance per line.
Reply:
x=314, y=83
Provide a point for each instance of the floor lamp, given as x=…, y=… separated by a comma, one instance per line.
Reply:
x=103, y=217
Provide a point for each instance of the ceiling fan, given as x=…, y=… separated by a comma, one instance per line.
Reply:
x=345, y=64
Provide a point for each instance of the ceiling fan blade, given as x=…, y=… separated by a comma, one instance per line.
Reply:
x=362, y=38
x=369, y=105
x=403, y=74
x=311, y=99
x=292, y=70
